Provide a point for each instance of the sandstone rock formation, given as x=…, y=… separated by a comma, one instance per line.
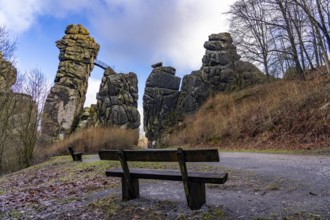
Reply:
x=222, y=71
x=159, y=101
x=7, y=75
x=117, y=100
x=89, y=118
x=65, y=102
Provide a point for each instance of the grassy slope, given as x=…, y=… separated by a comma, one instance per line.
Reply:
x=290, y=115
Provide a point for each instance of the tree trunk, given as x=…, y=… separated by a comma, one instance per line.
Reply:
x=291, y=39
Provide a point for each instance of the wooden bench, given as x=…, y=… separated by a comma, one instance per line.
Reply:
x=193, y=182
x=76, y=156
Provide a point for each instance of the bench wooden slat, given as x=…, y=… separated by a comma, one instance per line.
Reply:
x=174, y=175
x=204, y=155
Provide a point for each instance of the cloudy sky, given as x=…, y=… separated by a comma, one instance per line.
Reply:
x=133, y=34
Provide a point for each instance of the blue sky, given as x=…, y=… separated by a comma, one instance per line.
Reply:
x=133, y=34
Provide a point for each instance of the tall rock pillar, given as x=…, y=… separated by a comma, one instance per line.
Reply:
x=117, y=100
x=222, y=71
x=159, y=101
x=8, y=75
x=64, y=104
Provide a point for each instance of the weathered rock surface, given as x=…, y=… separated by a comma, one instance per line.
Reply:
x=117, y=100
x=159, y=101
x=89, y=118
x=64, y=104
x=222, y=71
x=8, y=75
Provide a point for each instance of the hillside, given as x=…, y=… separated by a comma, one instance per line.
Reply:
x=281, y=114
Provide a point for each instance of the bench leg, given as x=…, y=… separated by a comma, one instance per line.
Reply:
x=196, y=198
x=127, y=195
x=77, y=157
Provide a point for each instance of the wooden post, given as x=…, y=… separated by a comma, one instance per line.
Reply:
x=78, y=157
x=75, y=156
x=128, y=187
x=72, y=153
x=184, y=173
x=197, y=195
x=125, y=192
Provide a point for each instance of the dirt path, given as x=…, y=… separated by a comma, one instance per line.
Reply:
x=262, y=185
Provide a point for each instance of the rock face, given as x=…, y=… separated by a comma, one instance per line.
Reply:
x=159, y=101
x=8, y=75
x=65, y=102
x=222, y=71
x=117, y=100
x=89, y=118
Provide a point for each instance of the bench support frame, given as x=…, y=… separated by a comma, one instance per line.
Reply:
x=127, y=193
x=194, y=188
x=76, y=156
x=196, y=197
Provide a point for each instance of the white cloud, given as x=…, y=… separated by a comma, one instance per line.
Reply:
x=172, y=31
x=142, y=133
x=133, y=30
x=19, y=16
x=93, y=89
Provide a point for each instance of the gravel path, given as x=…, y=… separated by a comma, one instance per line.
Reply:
x=314, y=169
x=261, y=186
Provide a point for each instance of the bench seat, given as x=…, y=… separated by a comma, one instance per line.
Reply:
x=174, y=175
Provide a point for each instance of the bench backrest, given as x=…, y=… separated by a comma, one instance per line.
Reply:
x=201, y=155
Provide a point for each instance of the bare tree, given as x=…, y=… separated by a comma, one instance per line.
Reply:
x=250, y=29
x=37, y=86
x=301, y=25
x=318, y=14
x=20, y=115
x=283, y=7
x=7, y=45
x=7, y=107
x=283, y=34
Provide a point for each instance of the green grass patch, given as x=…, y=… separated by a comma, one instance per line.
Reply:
x=273, y=186
x=15, y=214
x=214, y=214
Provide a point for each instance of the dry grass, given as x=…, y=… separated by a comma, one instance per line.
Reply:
x=91, y=140
x=277, y=115
x=143, y=142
